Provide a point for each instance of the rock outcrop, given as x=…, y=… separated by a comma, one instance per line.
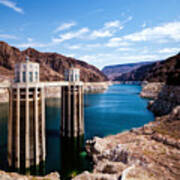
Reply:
x=151, y=90
x=99, y=87
x=16, y=176
x=95, y=176
x=166, y=97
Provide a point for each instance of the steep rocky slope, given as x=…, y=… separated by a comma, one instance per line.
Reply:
x=167, y=71
x=117, y=70
x=52, y=65
x=137, y=74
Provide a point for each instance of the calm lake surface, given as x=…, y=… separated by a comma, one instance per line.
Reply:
x=117, y=110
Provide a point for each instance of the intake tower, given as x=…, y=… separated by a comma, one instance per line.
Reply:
x=26, y=126
x=72, y=105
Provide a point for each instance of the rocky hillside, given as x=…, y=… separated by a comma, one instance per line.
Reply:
x=167, y=71
x=138, y=74
x=117, y=70
x=52, y=65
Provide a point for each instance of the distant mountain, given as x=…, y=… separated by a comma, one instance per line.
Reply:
x=52, y=65
x=136, y=74
x=167, y=71
x=114, y=71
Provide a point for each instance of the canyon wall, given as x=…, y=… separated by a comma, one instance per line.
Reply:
x=52, y=65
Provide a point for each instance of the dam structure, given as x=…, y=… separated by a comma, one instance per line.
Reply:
x=26, y=123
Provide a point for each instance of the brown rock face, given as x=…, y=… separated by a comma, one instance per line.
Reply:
x=151, y=90
x=167, y=71
x=16, y=176
x=52, y=65
x=115, y=71
x=165, y=97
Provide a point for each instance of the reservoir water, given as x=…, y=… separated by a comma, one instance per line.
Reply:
x=117, y=110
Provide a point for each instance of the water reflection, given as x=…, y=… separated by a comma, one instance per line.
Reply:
x=33, y=170
x=73, y=157
x=4, y=108
x=65, y=155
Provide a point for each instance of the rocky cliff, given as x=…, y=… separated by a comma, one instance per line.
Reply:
x=165, y=97
x=167, y=71
x=52, y=65
x=114, y=71
x=138, y=74
x=16, y=176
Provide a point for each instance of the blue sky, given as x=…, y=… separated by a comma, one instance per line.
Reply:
x=100, y=32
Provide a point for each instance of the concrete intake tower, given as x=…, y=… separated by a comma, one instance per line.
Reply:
x=72, y=105
x=26, y=126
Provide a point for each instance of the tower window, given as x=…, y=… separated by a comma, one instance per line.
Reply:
x=72, y=77
x=24, y=76
x=36, y=74
x=17, y=77
x=30, y=77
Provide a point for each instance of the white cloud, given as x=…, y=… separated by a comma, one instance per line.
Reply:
x=144, y=25
x=101, y=34
x=12, y=5
x=162, y=34
x=64, y=26
x=169, y=50
x=123, y=49
x=97, y=59
x=117, y=42
x=83, y=46
x=70, y=55
x=29, y=39
x=113, y=24
x=74, y=47
x=108, y=30
x=70, y=35
x=129, y=18
x=7, y=36
x=96, y=45
x=32, y=45
x=104, y=59
x=170, y=31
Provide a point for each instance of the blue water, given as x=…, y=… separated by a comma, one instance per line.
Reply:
x=117, y=110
